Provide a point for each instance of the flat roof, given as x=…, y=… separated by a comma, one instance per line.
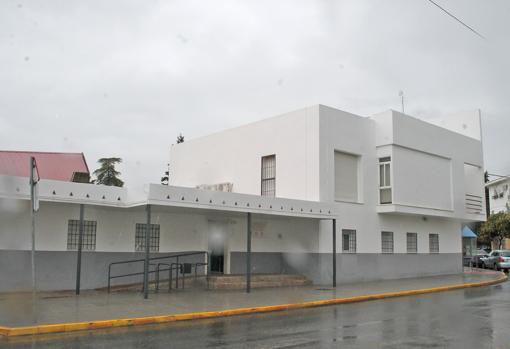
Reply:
x=162, y=195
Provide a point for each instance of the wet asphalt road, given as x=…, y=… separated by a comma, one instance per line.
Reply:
x=471, y=318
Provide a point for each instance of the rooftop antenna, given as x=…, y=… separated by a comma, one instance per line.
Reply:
x=401, y=94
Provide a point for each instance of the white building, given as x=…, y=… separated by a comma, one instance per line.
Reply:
x=499, y=195
x=499, y=200
x=399, y=189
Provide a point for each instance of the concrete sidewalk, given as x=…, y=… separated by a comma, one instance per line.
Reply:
x=51, y=308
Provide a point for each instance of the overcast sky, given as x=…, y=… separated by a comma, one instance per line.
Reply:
x=123, y=78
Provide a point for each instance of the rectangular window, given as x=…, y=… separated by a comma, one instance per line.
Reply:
x=268, y=176
x=349, y=240
x=141, y=229
x=89, y=235
x=346, y=176
x=387, y=241
x=434, y=243
x=412, y=243
x=385, y=180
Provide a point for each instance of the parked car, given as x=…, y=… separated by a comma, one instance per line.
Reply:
x=478, y=260
x=498, y=260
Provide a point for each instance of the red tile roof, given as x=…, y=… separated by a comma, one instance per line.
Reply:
x=56, y=166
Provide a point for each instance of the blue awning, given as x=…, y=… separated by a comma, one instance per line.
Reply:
x=468, y=233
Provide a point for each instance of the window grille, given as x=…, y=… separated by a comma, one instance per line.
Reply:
x=349, y=240
x=412, y=242
x=89, y=235
x=434, y=243
x=387, y=242
x=141, y=229
x=268, y=176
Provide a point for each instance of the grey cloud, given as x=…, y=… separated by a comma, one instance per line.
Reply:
x=124, y=78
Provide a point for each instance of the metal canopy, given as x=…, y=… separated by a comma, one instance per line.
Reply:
x=162, y=195
x=241, y=203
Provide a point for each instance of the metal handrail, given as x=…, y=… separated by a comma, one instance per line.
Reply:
x=157, y=274
x=110, y=277
x=177, y=267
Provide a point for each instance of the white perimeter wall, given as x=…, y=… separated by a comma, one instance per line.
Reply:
x=179, y=231
x=187, y=232
x=115, y=227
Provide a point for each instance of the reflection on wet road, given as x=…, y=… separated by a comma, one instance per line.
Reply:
x=471, y=318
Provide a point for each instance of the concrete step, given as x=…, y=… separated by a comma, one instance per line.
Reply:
x=224, y=282
x=257, y=281
x=189, y=282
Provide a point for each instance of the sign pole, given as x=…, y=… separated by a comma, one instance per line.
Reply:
x=147, y=254
x=32, y=216
x=80, y=247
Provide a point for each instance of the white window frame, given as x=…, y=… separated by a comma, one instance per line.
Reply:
x=385, y=183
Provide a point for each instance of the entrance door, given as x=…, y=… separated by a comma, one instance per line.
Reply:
x=217, y=240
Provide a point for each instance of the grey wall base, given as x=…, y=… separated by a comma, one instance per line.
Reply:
x=56, y=270
x=318, y=267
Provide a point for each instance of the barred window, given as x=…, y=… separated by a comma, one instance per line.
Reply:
x=434, y=243
x=89, y=235
x=268, y=176
x=349, y=240
x=141, y=228
x=387, y=241
x=412, y=242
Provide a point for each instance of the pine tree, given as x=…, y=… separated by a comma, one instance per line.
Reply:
x=106, y=174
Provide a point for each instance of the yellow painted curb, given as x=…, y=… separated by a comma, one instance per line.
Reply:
x=101, y=324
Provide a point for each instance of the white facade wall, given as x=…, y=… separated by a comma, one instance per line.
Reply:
x=421, y=179
x=235, y=156
x=421, y=153
x=344, y=132
x=428, y=182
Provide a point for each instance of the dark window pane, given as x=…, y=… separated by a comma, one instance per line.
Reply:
x=268, y=176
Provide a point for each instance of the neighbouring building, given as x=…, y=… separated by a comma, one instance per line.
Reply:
x=399, y=189
x=499, y=201
x=70, y=167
